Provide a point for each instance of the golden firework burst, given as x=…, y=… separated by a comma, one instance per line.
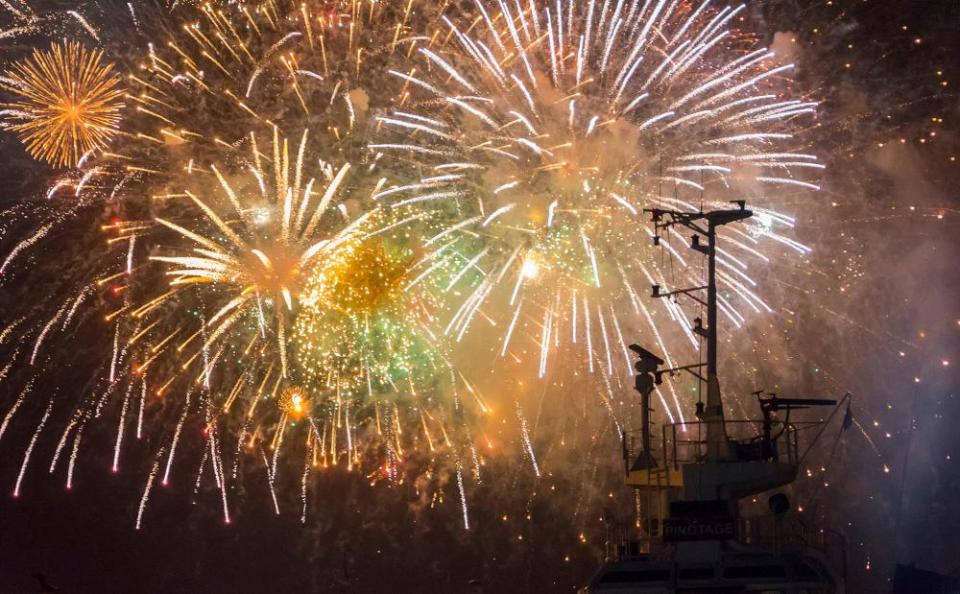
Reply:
x=295, y=402
x=358, y=330
x=67, y=102
x=359, y=279
x=249, y=237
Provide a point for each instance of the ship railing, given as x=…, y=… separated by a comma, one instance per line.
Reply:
x=622, y=544
x=795, y=534
x=684, y=443
x=687, y=442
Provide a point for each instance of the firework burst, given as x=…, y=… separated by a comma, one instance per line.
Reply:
x=67, y=102
x=229, y=68
x=367, y=343
x=246, y=243
x=278, y=293
x=551, y=127
x=218, y=224
x=367, y=325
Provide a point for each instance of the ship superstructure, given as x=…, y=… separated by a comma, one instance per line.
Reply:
x=690, y=477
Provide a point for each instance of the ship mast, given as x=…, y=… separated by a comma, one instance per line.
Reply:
x=720, y=467
x=703, y=225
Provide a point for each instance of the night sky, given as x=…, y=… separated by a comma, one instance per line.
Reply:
x=877, y=314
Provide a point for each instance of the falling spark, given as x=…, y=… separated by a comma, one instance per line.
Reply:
x=29, y=450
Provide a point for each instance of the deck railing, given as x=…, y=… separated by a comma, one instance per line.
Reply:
x=683, y=443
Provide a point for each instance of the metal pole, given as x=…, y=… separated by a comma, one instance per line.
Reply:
x=645, y=421
x=716, y=435
x=711, y=304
